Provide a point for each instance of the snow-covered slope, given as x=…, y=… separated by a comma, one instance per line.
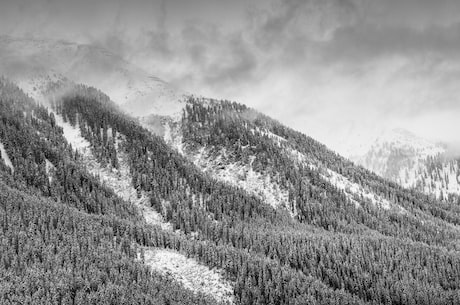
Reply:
x=34, y=63
x=187, y=271
x=221, y=165
x=412, y=162
x=4, y=156
x=192, y=275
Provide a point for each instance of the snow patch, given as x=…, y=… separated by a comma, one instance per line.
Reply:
x=192, y=275
x=173, y=137
x=6, y=158
x=241, y=175
x=73, y=136
x=263, y=132
x=235, y=173
x=351, y=189
x=117, y=179
x=50, y=168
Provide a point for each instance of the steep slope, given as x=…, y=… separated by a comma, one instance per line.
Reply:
x=237, y=145
x=342, y=236
x=413, y=162
x=34, y=64
x=118, y=178
x=56, y=217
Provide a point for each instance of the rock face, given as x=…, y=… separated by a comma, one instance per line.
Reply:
x=413, y=162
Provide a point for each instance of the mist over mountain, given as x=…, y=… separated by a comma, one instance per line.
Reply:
x=215, y=152
x=332, y=69
x=415, y=163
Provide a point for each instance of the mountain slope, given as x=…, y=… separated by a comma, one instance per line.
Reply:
x=236, y=219
x=66, y=237
x=415, y=163
x=34, y=64
x=342, y=235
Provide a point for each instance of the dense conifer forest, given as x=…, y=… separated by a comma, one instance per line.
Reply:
x=69, y=239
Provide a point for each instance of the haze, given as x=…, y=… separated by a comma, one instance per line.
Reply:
x=338, y=70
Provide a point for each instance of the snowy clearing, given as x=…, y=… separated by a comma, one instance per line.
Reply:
x=242, y=175
x=6, y=158
x=192, y=275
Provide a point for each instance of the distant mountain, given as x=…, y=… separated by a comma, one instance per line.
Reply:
x=413, y=162
x=34, y=63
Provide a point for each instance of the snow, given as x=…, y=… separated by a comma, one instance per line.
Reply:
x=186, y=270
x=402, y=138
x=173, y=136
x=441, y=181
x=413, y=149
x=117, y=179
x=6, y=158
x=235, y=173
x=73, y=136
x=241, y=175
x=136, y=90
x=351, y=189
x=36, y=84
x=50, y=168
x=404, y=158
x=263, y=132
x=192, y=275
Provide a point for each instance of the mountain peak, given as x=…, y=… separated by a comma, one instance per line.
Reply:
x=403, y=139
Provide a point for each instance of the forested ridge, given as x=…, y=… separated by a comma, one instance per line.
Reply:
x=331, y=252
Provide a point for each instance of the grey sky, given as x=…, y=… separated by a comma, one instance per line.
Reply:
x=339, y=70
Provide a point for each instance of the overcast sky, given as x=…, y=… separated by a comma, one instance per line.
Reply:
x=338, y=70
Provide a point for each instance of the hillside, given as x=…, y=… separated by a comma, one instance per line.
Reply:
x=413, y=162
x=226, y=205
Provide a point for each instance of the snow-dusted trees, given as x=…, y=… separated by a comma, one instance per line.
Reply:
x=332, y=252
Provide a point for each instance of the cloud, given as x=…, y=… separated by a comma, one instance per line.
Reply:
x=364, y=42
x=332, y=68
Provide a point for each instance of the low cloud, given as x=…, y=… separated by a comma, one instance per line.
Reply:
x=331, y=68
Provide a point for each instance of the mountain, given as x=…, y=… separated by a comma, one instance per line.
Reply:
x=211, y=202
x=35, y=63
x=413, y=162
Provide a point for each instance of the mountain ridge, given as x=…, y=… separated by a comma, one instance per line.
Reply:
x=414, y=162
